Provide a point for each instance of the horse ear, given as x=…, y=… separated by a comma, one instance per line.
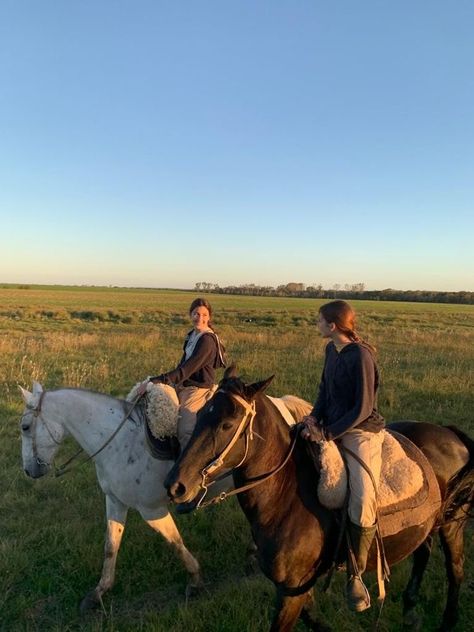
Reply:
x=26, y=395
x=37, y=388
x=251, y=390
x=231, y=371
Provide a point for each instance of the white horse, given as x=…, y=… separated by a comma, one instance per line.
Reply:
x=127, y=474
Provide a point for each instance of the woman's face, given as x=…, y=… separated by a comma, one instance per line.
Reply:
x=200, y=318
x=325, y=328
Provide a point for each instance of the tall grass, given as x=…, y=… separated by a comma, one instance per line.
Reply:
x=52, y=530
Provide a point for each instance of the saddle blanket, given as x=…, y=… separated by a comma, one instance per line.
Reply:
x=407, y=481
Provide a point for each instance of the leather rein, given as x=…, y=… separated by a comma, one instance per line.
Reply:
x=246, y=428
x=64, y=469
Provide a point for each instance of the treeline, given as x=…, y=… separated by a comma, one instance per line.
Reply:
x=354, y=291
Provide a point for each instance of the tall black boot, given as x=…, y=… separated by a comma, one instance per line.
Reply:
x=358, y=598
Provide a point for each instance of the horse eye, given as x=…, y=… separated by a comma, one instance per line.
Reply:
x=227, y=425
x=25, y=427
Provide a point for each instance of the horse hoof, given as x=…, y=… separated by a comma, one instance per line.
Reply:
x=90, y=602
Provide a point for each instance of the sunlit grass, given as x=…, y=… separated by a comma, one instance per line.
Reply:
x=51, y=530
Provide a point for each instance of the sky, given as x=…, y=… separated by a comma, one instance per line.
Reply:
x=164, y=143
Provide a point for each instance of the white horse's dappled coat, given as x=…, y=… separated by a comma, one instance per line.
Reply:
x=127, y=474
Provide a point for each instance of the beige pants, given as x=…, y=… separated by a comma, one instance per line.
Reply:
x=363, y=497
x=191, y=400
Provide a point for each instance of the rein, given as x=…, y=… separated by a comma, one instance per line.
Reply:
x=250, y=411
x=64, y=469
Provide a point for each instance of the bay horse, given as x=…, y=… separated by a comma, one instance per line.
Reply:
x=126, y=472
x=294, y=534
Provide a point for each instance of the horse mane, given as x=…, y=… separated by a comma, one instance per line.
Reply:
x=233, y=385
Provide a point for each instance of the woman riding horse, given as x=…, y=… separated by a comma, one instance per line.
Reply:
x=346, y=409
x=194, y=376
x=295, y=535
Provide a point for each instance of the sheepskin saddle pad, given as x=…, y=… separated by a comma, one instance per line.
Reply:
x=160, y=414
x=407, y=483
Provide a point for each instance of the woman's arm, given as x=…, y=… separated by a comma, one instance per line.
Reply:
x=202, y=355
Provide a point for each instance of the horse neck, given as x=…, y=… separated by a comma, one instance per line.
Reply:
x=89, y=417
x=269, y=448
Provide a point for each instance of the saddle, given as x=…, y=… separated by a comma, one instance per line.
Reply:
x=407, y=483
x=161, y=448
x=158, y=411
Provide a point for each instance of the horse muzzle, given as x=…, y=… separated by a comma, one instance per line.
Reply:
x=36, y=470
x=186, y=498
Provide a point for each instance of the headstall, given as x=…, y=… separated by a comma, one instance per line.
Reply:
x=247, y=421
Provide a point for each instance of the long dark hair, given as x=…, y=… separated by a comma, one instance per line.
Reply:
x=344, y=317
x=202, y=302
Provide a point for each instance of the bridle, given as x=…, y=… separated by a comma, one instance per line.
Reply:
x=36, y=413
x=245, y=427
x=64, y=469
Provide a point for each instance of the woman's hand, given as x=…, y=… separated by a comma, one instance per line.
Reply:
x=312, y=431
x=142, y=388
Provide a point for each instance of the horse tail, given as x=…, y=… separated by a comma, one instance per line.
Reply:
x=461, y=485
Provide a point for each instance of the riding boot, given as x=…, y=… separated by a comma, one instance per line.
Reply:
x=361, y=538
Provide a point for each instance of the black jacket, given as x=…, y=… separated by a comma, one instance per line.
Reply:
x=199, y=368
x=347, y=396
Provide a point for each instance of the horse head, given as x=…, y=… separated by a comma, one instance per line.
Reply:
x=220, y=438
x=40, y=439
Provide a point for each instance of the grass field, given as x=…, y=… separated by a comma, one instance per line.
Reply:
x=51, y=530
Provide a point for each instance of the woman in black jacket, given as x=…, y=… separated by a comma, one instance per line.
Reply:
x=346, y=410
x=194, y=376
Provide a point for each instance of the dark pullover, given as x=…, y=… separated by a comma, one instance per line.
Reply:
x=347, y=396
x=198, y=369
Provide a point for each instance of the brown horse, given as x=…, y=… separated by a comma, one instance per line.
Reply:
x=294, y=534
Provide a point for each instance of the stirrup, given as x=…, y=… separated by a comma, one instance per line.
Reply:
x=357, y=602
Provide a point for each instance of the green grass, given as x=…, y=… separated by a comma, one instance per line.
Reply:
x=51, y=530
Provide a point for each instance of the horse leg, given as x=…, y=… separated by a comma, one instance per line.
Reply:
x=410, y=595
x=310, y=622
x=452, y=541
x=288, y=609
x=168, y=529
x=116, y=517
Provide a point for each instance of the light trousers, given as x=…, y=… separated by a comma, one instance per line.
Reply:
x=363, y=496
x=191, y=400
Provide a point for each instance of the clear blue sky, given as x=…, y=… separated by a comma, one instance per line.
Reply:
x=162, y=143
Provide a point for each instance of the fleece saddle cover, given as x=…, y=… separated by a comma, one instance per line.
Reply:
x=159, y=411
x=408, y=494
x=419, y=509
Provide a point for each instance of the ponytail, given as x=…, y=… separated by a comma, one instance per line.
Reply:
x=343, y=316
